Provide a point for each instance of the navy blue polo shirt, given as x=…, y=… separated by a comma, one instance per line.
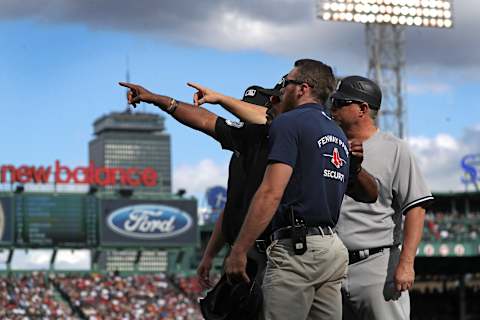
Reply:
x=306, y=139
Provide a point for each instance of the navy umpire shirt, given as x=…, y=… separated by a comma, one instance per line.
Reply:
x=306, y=139
x=249, y=143
x=235, y=194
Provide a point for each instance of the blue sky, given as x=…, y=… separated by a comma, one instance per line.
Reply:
x=61, y=62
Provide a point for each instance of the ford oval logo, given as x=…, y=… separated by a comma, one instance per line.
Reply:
x=148, y=221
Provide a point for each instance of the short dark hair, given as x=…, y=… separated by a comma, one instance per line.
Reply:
x=318, y=75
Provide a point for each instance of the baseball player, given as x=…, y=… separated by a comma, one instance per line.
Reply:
x=379, y=272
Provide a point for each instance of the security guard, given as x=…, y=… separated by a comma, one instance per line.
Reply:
x=302, y=190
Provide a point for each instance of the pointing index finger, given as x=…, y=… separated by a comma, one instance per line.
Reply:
x=195, y=86
x=127, y=85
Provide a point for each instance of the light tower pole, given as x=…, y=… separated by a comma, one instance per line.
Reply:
x=386, y=61
x=385, y=22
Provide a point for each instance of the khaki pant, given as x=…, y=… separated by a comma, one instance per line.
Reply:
x=307, y=286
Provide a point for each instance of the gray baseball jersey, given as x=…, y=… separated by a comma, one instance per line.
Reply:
x=401, y=187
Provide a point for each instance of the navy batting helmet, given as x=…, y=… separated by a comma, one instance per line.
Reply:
x=360, y=89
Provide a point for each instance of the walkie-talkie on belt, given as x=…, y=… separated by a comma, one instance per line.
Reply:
x=299, y=234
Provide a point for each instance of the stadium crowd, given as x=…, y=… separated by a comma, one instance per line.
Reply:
x=98, y=297
x=190, y=286
x=101, y=297
x=451, y=226
x=31, y=296
x=155, y=296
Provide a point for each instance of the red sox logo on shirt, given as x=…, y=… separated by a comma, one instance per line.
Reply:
x=336, y=160
x=335, y=157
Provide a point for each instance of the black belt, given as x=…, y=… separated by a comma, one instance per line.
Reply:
x=286, y=233
x=262, y=245
x=355, y=256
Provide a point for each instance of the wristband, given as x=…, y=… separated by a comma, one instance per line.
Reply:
x=172, y=107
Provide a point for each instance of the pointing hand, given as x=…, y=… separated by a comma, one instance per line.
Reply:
x=137, y=93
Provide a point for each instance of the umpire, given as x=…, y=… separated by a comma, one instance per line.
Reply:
x=247, y=164
x=250, y=147
x=379, y=272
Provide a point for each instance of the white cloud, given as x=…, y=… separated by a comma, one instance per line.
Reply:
x=274, y=26
x=442, y=142
x=197, y=178
x=447, y=142
x=429, y=88
x=240, y=31
x=440, y=158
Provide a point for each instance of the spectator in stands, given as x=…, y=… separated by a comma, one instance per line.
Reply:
x=131, y=297
x=451, y=226
x=30, y=297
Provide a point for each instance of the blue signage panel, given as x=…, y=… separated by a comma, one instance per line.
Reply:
x=470, y=165
x=129, y=222
x=216, y=197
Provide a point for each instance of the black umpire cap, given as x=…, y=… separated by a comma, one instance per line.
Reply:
x=234, y=301
x=359, y=89
x=259, y=95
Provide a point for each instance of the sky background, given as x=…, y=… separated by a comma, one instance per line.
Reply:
x=60, y=62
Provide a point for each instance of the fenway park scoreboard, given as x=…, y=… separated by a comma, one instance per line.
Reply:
x=46, y=220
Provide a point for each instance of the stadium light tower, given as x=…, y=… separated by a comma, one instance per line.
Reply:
x=385, y=22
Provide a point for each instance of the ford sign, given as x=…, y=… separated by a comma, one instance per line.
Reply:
x=149, y=221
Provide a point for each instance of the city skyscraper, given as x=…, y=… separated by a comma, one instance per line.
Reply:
x=126, y=140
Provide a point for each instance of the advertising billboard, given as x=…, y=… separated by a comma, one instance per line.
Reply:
x=63, y=220
x=148, y=223
x=60, y=174
x=216, y=197
x=6, y=221
x=471, y=166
